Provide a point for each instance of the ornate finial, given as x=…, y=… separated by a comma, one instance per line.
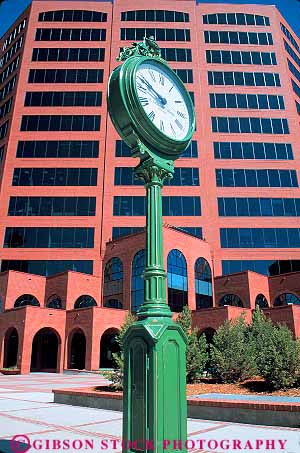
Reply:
x=147, y=48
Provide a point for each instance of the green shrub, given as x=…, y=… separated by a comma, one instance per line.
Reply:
x=196, y=348
x=232, y=354
x=277, y=353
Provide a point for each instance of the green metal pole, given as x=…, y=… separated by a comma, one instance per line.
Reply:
x=154, y=405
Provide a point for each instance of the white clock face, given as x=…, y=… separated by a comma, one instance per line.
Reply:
x=162, y=100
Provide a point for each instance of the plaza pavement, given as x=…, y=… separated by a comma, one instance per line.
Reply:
x=27, y=408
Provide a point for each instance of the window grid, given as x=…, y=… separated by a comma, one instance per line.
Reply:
x=8, y=87
x=260, y=79
x=186, y=75
x=4, y=130
x=47, y=268
x=241, y=57
x=6, y=108
x=52, y=206
x=65, y=54
x=259, y=207
x=236, y=19
x=60, y=123
x=183, y=176
x=11, y=51
x=260, y=237
x=290, y=37
x=238, y=37
x=63, y=98
x=65, y=76
x=252, y=125
x=159, y=34
x=59, y=149
x=55, y=177
x=294, y=70
x=151, y=15
x=9, y=69
x=253, y=150
x=70, y=34
x=291, y=52
x=176, y=54
x=296, y=88
x=256, y=178
x=247, y=101
x=72, y=16
x=171, y=206
x=48, y=237
x=123, y=150
x=14, y=34
x=265, y=267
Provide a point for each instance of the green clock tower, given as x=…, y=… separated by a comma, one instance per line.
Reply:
x=153, y=113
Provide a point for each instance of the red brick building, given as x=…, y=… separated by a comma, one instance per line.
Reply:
x=241, y=64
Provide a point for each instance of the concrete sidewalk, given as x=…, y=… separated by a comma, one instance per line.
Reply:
x=27, y=409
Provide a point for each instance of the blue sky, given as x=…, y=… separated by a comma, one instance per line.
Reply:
x=10, y=10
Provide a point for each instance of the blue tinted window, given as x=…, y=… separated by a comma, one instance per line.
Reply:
x=256, y=178
x=260, y=237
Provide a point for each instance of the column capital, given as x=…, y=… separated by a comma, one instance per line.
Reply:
x=154, y=170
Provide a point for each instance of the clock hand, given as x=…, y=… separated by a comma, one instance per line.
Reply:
x=162, y=100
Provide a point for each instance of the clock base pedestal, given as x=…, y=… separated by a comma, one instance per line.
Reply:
x=155, y=407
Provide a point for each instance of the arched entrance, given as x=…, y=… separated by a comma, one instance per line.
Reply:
x=44, y=355
x=77, y=350
x=11, y=344
x=108, y=345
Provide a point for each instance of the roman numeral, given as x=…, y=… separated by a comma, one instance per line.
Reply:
x=178, y=124
x=151, y=116
x=141, y=88
x=178, y=102
x=171, y=89
x=144, y=101
x=152, y=75
x=161, y=79
x=173, y=130
x=182, y=115
x=162, y=127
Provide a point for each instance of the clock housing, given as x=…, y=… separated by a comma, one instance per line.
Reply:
x=129, y=116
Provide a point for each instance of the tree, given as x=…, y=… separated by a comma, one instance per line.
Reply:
x=116, y=376
x=277, y=353
x=196, y=349
x=232, y=354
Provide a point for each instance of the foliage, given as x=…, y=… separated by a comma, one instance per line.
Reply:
x=196, y=351
x=232, y=354
x=277, y=353
x=116, y=376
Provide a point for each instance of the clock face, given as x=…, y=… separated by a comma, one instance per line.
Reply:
x=163, y=100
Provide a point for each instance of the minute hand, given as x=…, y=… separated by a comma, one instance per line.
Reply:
x=161, y=99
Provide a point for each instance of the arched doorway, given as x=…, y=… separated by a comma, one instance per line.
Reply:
x=108, y=345
x=44, y=355
x=11, y=344
x=77, y=350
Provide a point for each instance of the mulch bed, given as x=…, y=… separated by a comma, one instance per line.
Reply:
x=255, y=386
x=251, y=387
